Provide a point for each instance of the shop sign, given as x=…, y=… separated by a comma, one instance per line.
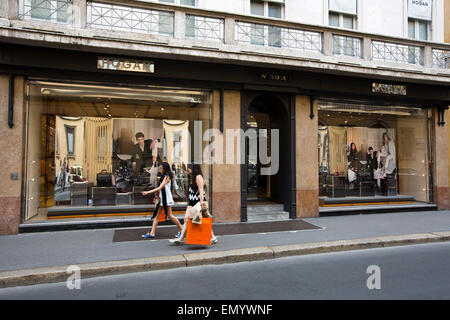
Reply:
x=130, y=65
x=420, y=9
x=273, y=77
x=389, y=89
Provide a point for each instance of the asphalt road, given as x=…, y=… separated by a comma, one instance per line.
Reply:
x=407, y=272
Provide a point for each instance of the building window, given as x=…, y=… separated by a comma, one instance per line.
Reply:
x=182, y=2
x=70, y=138
x=342, y=13
x=366, y=151
x=47, y=10
x=419, y=19
x=258, y=32
x=110, y=144
x=341, y=20
x=418, y=29
x=266, y=9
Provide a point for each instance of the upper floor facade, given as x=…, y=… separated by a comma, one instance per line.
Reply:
x=416, y=19
x=402, y=39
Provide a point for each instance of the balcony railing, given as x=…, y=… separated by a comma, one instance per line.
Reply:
x=394, y=52
x=204, y=28
x=129, y=19
x=441, y=59
x=46, y=10
x=273, y=36
x=242, y=33
x=347, y=46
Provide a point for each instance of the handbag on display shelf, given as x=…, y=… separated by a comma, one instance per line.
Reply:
x=104, y=179
x=199, y=234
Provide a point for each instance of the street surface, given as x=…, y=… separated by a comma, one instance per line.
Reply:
x=407, y=272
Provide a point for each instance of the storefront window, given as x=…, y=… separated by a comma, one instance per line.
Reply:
x=92, y=146
x=373, y=151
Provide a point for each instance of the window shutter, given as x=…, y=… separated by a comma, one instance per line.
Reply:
x=343, y=6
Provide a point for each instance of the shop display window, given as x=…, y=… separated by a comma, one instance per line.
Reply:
x=373, y=151
x=91, y=145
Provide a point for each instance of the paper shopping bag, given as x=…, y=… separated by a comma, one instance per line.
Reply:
x=199, y=234
x=162, y=216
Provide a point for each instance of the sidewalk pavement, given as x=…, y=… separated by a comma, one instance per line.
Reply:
x=43, y=257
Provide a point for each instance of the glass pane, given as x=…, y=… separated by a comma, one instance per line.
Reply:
x=336, y=46
x=349, y=47
x=411, y=29
x=348, y=21
x=70, y=141
x=274, y=10
x=334, y=19
x=168, y=1
x=41, y=9
x=423, y=30
x=188, y=3
x=372, y=151
x=111, y=146
x=165, y=23
x=275, y=37
x=257, y=34
x=257, y=8
x=64, y=11
x=190, y=26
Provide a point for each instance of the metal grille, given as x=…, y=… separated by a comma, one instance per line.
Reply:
x=441, y=59
x=129, y=19
x=46, y=10
x=205, y=28
x=271, y=36
x=385, y=51
x=346, y=46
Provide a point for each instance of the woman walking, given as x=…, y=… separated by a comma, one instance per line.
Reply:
x=196, y=194
x=164, y=187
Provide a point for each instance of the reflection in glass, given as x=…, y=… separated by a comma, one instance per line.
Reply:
x=368, y=151
x=94, y=147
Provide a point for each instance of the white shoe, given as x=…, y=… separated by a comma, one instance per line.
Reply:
x=176, y=241
x=214, y=241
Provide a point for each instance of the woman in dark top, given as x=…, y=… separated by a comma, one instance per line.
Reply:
x=353, y=159
x=196, y=194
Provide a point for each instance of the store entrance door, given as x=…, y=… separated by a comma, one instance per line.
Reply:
x=267, y=124
x=258, y=185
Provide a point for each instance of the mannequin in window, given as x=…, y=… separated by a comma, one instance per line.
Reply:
x=353, y=162
x=388, y=155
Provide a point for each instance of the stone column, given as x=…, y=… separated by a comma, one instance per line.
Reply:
x=11, y=146
x=4, y=10
x=230, y=26
x=441, y=178
x=307, y=163
x=428, y=57
x=367, y=48
x=226, y=194
x=328, y=43
x=79, y=11
x=13, y=9
x=180, y=25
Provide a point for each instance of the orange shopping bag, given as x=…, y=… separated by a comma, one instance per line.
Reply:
x=162, y=216
x=199, y=233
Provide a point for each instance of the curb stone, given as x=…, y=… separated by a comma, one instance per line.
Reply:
x=59, y=273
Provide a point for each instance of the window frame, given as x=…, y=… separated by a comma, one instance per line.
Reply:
x=73, y=129
x=341, y=19
x=53, y=16
x=178, y=2
x=417, y=29
x=266, y=9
